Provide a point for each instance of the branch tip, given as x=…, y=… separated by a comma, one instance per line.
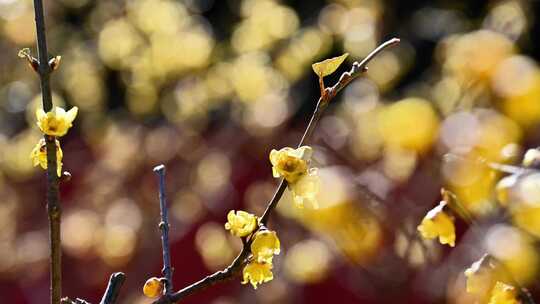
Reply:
x=159, y=169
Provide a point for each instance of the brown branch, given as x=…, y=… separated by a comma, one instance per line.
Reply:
x=113, y=288
x=53, y=197
x=109, y=296
x=164, y=227
x=236, y=266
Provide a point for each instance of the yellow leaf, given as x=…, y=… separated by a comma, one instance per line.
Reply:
x=328, y=66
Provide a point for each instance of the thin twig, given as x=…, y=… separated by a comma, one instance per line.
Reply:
x=53, y=197
x=113, y=288
x=235, y=267
x=164, y=227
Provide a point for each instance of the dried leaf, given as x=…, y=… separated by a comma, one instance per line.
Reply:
x=328, y=66
x=24, y=53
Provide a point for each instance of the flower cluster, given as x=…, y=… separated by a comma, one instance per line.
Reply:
x=264, y=245
x=55, y=123
x=293, y=166
x=486, y=280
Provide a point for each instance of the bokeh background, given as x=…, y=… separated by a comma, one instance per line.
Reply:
x=209, y=87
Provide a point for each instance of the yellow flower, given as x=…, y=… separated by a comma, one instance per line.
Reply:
x=265, y=244
x=306, y=189
x=503, y=294
x=482, y=275
x=39, y=155
x=57, y=122
x=257, y=273
x=290, y=163
x=241, y=223
x=153, y=287
x=437, y=223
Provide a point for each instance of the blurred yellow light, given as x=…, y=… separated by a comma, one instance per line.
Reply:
x=14, y=156
x=78, y=229
x=265, y=23
x=308, y=261
x=118, y=244
x=333, y=19
x=15, y=23
x=399, y=164
x=213, y=173
x=409, y=124
x=125, y=212
x=508, y=17
x=142, y=98
x=213, y=245
x=473, y=57
x=517, y=81
x=515, y=250
x=161, y=16
x=187, y=206
x=118, y=43
x=472, y=181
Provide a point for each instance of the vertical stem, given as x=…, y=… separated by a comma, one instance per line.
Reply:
x=164, y=227
x=53, y=204
x=44, y=69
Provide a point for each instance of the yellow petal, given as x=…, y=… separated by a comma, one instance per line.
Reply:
x=265, y=245
x=39, y=155
x=71, y=114
x=257, y=273
x=328, y=66
x=306, y=188
x=482, y=276
x=504, y=294
x=437, y=223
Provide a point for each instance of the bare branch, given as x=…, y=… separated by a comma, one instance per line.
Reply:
x=236, y=266
x=164, y=227
x=53, y=197
x=113, y=288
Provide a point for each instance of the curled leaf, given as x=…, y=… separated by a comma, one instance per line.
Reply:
x=26, y=54
x=328, y=66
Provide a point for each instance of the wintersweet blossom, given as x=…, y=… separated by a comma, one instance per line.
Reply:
x=153, y=287
x=57, y=122
x=306, y=188
x=257, y=273
x=504, y=294
x=264, y=246
x=240, y=223
x=293, y=165
x=290, y=163
x=39, y=155
x=437, y=223
x=482, y=276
